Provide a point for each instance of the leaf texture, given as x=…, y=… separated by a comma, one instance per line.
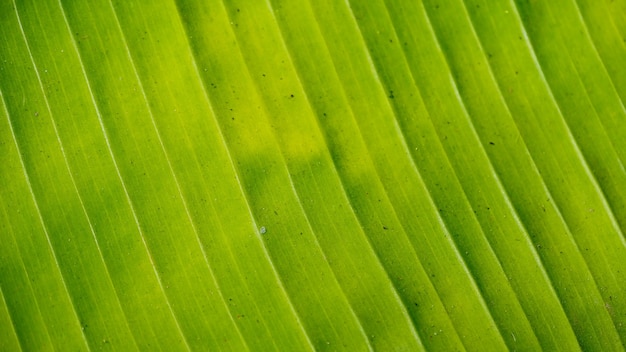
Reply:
x=313, y=175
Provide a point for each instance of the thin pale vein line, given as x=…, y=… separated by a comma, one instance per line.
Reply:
x=403, y=134
x=158, y=134
x=558, y=211
x=595, y=49
x=293, y=189
x=117, y=170
x=19, y=253
x=401, y=303
x=343, y=190
x=241, y=190
x=43, y=224
x=568, y=130
x=580, y=155
x=220, y=225
x=595, y=181
x=67, y=166
x=507, y=199
x=501, y=97
x=583, y=161
x=492, y=170
x=248, y=208
x=26, y=273
x=373, y=69
x=13, y=327
x=495, y=177
x=402, y=138
x=611, y=14
x=443, y=226
x=271, y=10
x=356, y=318
x=30, y=286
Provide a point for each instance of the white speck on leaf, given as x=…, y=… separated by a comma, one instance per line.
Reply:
x=262, y=230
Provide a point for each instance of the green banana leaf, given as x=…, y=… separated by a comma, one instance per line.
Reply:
x=312, y=175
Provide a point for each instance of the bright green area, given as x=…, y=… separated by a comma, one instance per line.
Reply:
x=312, y=175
